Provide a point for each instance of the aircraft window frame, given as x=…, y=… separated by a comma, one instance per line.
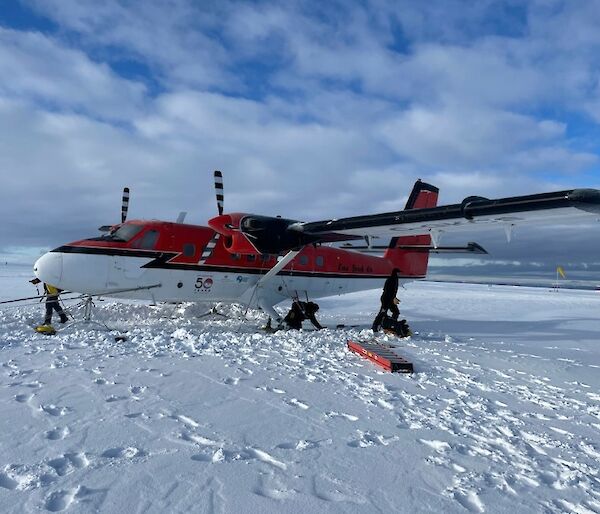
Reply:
x=320, y=261
x=189, y=250
x=235, y=256
x=145, y=242
x=251, y=257
x=303, y=260
x=121, y=234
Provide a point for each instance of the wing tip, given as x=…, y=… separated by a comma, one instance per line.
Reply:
x=586, y=199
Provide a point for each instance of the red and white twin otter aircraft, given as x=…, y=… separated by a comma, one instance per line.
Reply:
x=260, y=261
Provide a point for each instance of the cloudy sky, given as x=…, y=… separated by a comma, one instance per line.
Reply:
x=311, y=109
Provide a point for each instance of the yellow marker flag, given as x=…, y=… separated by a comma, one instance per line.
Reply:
x=561, y=271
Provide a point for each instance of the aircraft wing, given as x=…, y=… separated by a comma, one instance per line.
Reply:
x=574, y=205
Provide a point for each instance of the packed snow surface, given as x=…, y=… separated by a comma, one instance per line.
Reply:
x=211, y=414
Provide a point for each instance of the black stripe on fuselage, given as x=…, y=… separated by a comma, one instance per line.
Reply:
x=161, y=261
x=121, y=252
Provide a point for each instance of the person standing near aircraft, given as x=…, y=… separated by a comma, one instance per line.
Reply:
x=389, y=302
x=52, y=303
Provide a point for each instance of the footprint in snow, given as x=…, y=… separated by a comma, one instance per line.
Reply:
x=272, y=487
x=20, y=477
x=60, y=500
x=36, y=384
x=300, y=445
x=54, y=410
x=334, y=414
x=438, y=446
x=68, y=463
x=57, y=433
x=186, y=420
x=297, y=403
x=129, y=452
x=270, y=389
x=8, y=482
x=198, y=439
x=469, y=500
x=265, y=457
x=134, y=415
x=333, y=490
x=137, y=389
x=366, y=439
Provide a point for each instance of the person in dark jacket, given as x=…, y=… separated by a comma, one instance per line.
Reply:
x=389, y=302
x=301, y=311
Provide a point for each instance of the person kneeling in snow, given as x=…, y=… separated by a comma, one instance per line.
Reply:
x=301, y=311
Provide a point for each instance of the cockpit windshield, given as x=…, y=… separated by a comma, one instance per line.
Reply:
x=122, y=234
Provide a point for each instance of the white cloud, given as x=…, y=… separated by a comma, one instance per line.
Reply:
x=36, y=67
x=170, y=37
x=460, y=136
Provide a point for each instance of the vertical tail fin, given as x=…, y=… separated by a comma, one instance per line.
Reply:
x=410, y=254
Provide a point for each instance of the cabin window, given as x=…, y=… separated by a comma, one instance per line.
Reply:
x=148, y=240
x=304, y=260
x=265, y=257
x=235, y=256
x=189, y=249
x=320, y=260
x=251, y=257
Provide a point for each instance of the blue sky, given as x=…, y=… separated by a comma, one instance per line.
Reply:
x=312, y=110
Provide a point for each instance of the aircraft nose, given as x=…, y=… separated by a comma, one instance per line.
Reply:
x=49, y=268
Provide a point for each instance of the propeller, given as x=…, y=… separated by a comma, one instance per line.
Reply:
x=219, y=190
x=125, y=204
x=124, y=209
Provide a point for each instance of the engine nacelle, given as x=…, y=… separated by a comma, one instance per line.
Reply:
x=251, y=233
x=228, y=225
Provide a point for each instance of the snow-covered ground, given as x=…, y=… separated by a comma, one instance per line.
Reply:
x=212, y=415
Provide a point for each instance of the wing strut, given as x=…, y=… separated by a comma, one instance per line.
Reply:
x=270, y=275
x=287, y=258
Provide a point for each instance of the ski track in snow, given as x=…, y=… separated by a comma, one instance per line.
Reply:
x=191, y=412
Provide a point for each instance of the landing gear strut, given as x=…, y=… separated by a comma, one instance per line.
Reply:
x=88, y=305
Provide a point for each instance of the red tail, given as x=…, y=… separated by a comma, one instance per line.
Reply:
x=410, y=254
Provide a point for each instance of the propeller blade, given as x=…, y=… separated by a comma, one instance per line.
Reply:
x=125, y=204
x=219, y=190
